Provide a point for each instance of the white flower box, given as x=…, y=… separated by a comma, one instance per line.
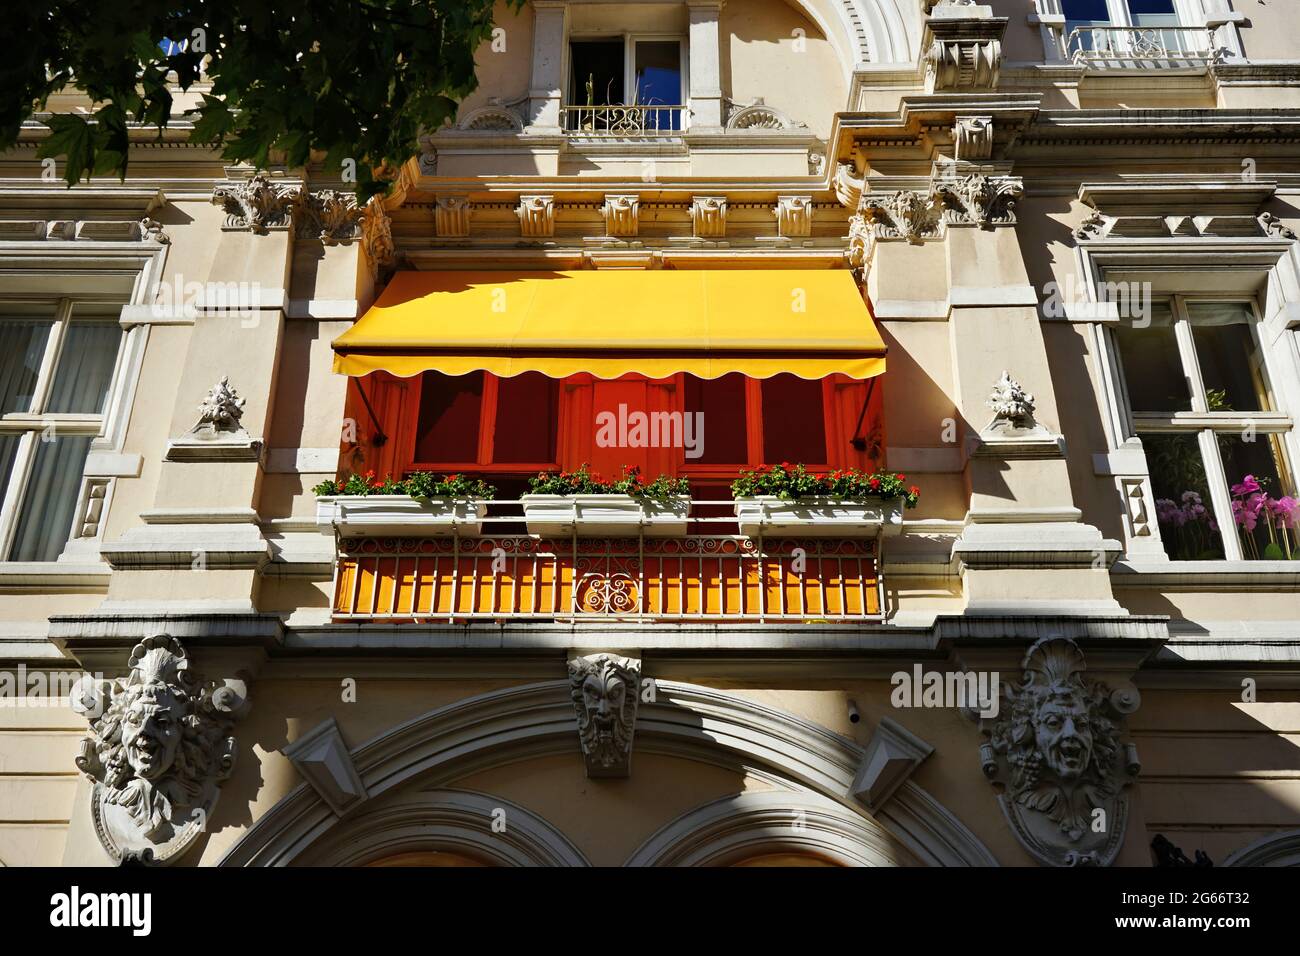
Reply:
x=774, y=517
x=604, y=516
x=399, y=516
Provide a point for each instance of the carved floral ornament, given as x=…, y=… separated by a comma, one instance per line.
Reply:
x=1011, y=404
x=221, y=410
x=605, y=691
x=1054, y=748
x=158, y=748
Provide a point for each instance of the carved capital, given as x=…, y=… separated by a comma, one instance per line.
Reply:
x=709, y=216
x=1054, y=749
x=978, y=200
x=605, y=691
x=963, y=48
x=451, y=217
x=159, y=746
x=257, y=204
x=794, y=215
x=536, y=216
x=330, y=215
x=622, y=216
x=908, y=214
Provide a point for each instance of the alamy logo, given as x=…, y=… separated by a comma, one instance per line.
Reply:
x=74, y=909
x=974, y=690
x=624, y=429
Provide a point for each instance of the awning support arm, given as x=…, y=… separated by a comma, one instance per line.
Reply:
x=380, y=438
x=858, y=440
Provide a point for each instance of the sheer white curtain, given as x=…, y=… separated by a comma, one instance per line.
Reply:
x=45, y=519
x=22, y=346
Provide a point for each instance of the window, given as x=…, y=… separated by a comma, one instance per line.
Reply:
x=1100, y=25
x=480, y=420
x=57, y=364
x=1199, y=399
x=615, y=83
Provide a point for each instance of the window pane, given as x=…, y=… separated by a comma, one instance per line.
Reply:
x=596, y=72
x=659, y=81
x=793, y=427
x=721, y=403
x=22, y=346
x=527, y=408
x=1153, y=370
x=45, y=517
x=1231, y=363
x=1264, y=507
x=1153, y=13
x=85, y=369
x=450, y=406
x=1183, y=507
x=8, y=449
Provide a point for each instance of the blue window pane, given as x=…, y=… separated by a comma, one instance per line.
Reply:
x=1085, y=11
x=1159, y=7
x=659, y=81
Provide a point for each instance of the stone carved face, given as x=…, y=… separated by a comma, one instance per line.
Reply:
x=1063, y=734
x=151, y=731
x=604, y=691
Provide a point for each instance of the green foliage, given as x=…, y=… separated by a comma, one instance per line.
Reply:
x=352, y=80
x=790, y=482
x=583, y=482
x=418, y=484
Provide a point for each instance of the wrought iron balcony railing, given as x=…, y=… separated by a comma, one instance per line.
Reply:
x=1111, y=47
x=624, y=122
x=640, y=576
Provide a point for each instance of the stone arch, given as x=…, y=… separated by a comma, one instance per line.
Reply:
x=1276, y=849
x=747, y=825
x=696, y=723
x=867, y=31
x=448, y=820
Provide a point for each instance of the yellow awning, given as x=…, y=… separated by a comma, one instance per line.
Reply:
x=609, y=323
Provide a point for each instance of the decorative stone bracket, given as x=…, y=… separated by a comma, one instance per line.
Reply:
x=605, y=691
x=218, y=435
x=158, y=749
x=963, y=46
x=322, y=757
x=1055, y=752
x=1013, y=432
x=893, y=754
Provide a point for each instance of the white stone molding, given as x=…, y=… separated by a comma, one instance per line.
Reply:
x=448, y=821
x=329, y=215
x=963, y=47
x=972, y=138
x=704, y=91
x=1161, y=208
x=892, y=754
x=451, y=215
x=257, y=204
x=979, y=200
x=735, y=828
x=687, y=721
x=218, y=435
x=322, y=757
x=159, y=747
x=536, y=216
x=1054, y=749
x=1276, y=849
x=622, y=216
x=794, y=215
x=605, y=691
x=709, y=217
x=848, y=184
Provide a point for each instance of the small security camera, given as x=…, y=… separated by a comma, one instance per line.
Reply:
x=854, y=716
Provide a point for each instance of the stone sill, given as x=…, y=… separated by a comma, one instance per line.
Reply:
x=53, y=576
x=1215, y=574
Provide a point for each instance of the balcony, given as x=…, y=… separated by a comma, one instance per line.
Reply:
x=619, y=123
x=1121, y=48
x=500, y=575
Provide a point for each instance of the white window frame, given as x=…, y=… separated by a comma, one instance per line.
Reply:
x=630, y=40
x=1203, y=423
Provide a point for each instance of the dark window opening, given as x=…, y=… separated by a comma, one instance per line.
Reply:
x=721, y=403
x=448, y=424
x=527, y=414
x=794, y=429
x=596, y=72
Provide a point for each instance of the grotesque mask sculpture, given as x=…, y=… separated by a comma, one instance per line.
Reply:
x=1055, y=746
x=605, y=691
x=158, y=748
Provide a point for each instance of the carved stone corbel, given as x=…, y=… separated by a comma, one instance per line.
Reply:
x=1054, y=750
x=709, y=217
x=972, y=138
x=1275, y=227
x=536, y=216
x=451, y=217
x=257, y=204
x=1096, y=226
x=158, y=749
x=377, y=236
x=963, y=44
x=218, y=434
x=907, y=214
x=622, y=216
x=794, y=216
x=605, y=691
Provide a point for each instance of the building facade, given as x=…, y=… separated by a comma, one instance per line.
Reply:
x=1033, y=258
